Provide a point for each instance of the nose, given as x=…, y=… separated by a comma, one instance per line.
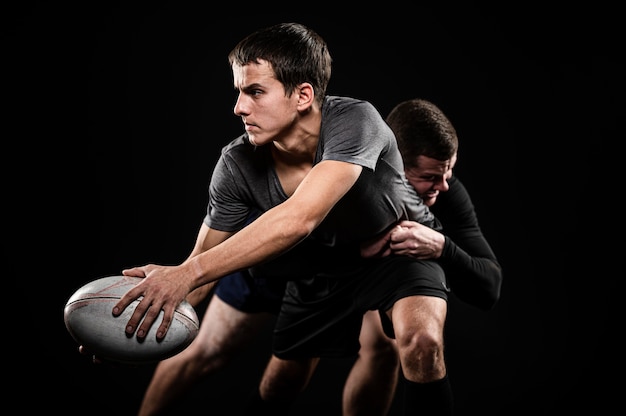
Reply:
x=240, y=109
x=442, y=185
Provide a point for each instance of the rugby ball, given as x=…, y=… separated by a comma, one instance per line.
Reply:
x=89, y=320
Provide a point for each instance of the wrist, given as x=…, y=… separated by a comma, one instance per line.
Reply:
x=193, y=268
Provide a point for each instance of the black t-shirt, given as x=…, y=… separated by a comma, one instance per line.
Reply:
x=472, y=269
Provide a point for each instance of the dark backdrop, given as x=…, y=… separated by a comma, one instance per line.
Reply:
x=116, y=114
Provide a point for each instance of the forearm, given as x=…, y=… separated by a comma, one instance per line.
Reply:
x=273, y=233
x=474, y=279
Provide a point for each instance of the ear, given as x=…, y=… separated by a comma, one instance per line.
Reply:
x=306, y=96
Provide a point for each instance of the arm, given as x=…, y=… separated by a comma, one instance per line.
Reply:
x=273, y=233
x=472, y=268
x=473, y=273
x=206, y=239
x=474, y=279
x=408, y=238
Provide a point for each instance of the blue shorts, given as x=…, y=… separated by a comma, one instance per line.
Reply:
x=251, y=294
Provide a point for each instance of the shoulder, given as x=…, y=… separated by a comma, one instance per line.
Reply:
x=347, y=117
x=347, y=105
x=241, y=148
x=238, y=144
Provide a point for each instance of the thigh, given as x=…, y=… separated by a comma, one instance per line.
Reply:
x=423, y=314
x=318, y=318
x=227, y=330
x=372, y=334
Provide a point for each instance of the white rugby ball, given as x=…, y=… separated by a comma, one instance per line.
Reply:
x=89, y=320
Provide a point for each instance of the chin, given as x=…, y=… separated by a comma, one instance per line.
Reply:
x=429, y=201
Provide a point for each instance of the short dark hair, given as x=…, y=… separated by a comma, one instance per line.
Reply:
x=296, y=53
x=421, y=128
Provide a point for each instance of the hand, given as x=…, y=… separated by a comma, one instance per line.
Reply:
x=99, y=360
x=416, y=240
x=94, y=358
x=163, y=288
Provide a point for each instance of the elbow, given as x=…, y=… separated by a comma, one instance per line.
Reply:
x=490, y=301
x=295, y=220
x=487, y=302
x=492, y=292
x=307, y=227
x=297, y=229
x=486, y=295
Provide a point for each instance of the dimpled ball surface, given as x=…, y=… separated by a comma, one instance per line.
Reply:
x=89, y=320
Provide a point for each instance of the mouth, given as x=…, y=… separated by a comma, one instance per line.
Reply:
x=430, y=197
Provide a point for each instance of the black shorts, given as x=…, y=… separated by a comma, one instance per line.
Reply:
x=251, y=294
x=322, y=313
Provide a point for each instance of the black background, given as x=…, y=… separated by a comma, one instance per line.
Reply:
x=115, y=115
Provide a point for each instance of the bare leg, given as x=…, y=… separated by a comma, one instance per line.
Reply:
x=224, y=332
x=371, y=383
x=418, y=323
x=283, y=380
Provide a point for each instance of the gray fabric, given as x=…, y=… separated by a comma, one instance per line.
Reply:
x=351, y=131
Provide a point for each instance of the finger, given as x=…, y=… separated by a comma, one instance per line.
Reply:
x=140, y=309
x=135, y=272
x=127, y=298
x=149, y=315
x=168, y=316
x=399, y=235
x=84, y=351
x=139, y=314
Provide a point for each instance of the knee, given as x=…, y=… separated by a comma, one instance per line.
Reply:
x=284, y=381
x=422, y=356
x=380, y=350
x=204, y=358
x=280, y=388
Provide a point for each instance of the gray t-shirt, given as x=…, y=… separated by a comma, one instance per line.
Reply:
x=244, y=180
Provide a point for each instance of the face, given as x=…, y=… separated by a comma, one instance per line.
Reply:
x=267, y=113
x=430, y=176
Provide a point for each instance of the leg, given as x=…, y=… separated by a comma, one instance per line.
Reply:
x=418, y=324
x=282, y=381
x=285, y=379
x=223, y=333
x=371, y=383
